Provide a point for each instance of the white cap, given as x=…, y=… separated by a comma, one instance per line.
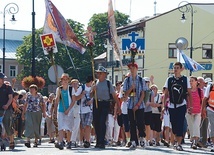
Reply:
x=147, y=79
x=207, y=80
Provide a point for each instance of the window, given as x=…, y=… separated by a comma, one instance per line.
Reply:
x=116, y=78
x=207, y=51
x=0, y=68
x=13, y=71
x=111, y=55
x=139, y=74
x=207, y=75
x=172, y=50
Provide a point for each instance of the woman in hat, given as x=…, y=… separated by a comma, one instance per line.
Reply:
x=33, y=109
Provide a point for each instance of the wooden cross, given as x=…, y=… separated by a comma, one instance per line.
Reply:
x=90, y=35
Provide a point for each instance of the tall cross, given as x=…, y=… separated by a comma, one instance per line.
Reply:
x=133, y=35
x=90, y=35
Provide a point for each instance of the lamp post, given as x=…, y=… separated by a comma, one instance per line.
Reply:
x=12, y=9
x=33, y=41
x=186, y=9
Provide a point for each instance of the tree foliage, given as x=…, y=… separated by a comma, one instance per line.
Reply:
x=99, y=23
x=82, y=63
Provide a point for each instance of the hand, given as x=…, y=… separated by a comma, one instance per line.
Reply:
x=135, y=108
x=189, y=110
x=203, y=113
x=119, y=111
x=66, y=112
x=5, y=107
x=44, y=115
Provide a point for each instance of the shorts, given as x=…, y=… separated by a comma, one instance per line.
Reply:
x=86, y=119
x=7, y=122
x=156, y=122
x=148, y=118
x=125, y=118
x=120, y=120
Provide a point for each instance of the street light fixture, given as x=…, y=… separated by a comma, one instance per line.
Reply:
x=186, y=9
x=12, y=9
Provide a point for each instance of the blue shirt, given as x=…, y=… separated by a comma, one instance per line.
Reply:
x=140, y=86
x=64, y=101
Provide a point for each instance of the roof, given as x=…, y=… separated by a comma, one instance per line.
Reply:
x=101, y=56
x=10, y=48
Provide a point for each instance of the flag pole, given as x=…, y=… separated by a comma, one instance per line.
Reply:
x=72, y=62
x=90, y=37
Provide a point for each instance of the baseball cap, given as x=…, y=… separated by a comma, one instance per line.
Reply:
x=2, y=76
x=132, y=64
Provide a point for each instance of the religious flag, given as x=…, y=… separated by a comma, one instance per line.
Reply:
x=56, y=24
x=48, y=43
x=190, y=64
x=112, y=32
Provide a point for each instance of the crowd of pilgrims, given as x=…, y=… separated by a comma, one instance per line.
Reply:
x=66, y=116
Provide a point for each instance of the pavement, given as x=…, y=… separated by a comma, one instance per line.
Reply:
x=23, y=140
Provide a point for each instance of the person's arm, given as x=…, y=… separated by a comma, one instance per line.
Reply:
x=9, y=102
x=57, y=99
x=71, y=105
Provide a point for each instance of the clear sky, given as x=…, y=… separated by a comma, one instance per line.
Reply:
x=82, y=10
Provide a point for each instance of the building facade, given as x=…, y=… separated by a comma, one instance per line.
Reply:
x=160, y=33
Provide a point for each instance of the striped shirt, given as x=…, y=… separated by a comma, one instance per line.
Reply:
x=140, y=86
x=196, y=101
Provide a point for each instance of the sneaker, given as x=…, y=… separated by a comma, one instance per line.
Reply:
x=123, y=144
x=179, y=148
x=73, y=145
x=194, y=146
x=39, y=142
x=150, y=143
x=52, y=141
x=142, y=142
x=68, y=145
x=27, y=144
x=128, y=144
x=114, y=144
x=212, y=149
x=157, y=144
x=153, y=142
x=86, y=144
x=133, y=145
x=61, y=146
x=35, y=144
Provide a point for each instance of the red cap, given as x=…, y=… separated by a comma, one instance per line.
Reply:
x=132, y=64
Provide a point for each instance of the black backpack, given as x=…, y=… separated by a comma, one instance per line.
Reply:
x=177, y=89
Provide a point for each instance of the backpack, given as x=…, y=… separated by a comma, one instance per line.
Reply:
x=177, y=89
x=147, y=94
x=211, y=96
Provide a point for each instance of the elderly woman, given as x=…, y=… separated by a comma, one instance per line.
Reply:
x=32, y=113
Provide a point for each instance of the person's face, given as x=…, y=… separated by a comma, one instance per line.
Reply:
x=201, y=83
x=64, y=80
x=32, y=90
x=154, y=89
x=177, y=69
x=101, y=75
x=133, y=69
x=193, y=82
x=1, y=81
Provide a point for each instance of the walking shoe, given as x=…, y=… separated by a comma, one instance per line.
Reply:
x=51, y=141
x=39, y=142
x=133, y=145
x=194, y=146
x=157, y=144
x=86, y=144
x=61, y=146
x=128, y=144
x=153, y=142
x=179, y=148
x=114, y=144
x=35, y=144
x=142, y=142
x=68, y=145
x=27, y=144
x=102, y=146
x=73, y=145
x=212, y=149
x=56, y=145
x=150, y=143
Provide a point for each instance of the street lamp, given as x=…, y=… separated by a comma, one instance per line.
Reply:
x=186, y=9
x=33, y=41
x=12, y=9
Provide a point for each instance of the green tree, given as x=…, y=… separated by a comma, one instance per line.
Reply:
x=81, y=62
x=99, y=23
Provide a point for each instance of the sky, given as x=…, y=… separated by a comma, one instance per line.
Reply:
x=82, y=10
